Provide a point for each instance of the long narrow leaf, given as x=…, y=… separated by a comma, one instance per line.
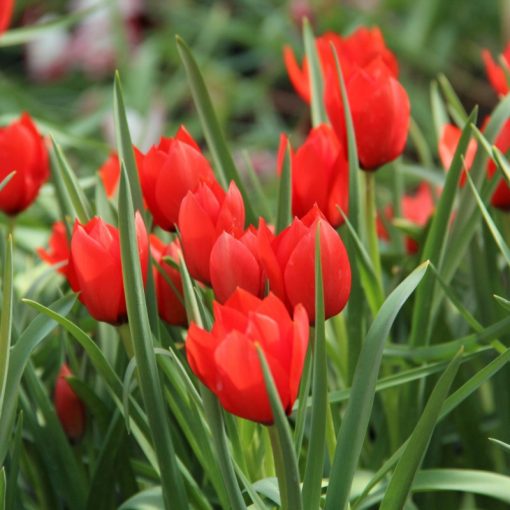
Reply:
x=6, y=320
x=284, y=210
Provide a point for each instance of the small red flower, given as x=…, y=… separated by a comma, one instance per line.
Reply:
x=23, y=150
x=380, y=112
x=357, y=49
x=495, y=72
x=320, y=175
x=203, y=216
x=96, y=265
x=6, y=8
x=168, y=171
x=70, y=409
x=170, y=297
x=109, y=173
x=289, y=262
x=226, y=359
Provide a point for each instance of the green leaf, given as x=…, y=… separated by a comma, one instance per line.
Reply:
x=502, y=302
x=316, y=447
x=502, y=444
x=319, y=115
x=3, y=486
x=437, y=238
x=125, y=146
x=357, y=415
x=412, y=457
x=6, y=320
x=6, y=180
x=503, y=247
x=14, y=464
x=223, y=162
x=150, y=383
x=439, y=114
x=281, y=439
x=452, y=99
x=284, y=209
x=72, y=187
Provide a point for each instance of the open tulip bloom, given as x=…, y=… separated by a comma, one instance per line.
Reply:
x=195, y=333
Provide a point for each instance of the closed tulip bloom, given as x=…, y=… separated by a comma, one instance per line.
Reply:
x=168, y=171
x=289, y=262
x=380, y=112
x=6, y=8
x=23, y=150
x=109, y=173
x=495, y=72
x=170, y=297
x=96, y=263
x=226, y=361
x=203, y=216
x=70, y=409
x=320, y=175
x=234, y=263
x=357, y=49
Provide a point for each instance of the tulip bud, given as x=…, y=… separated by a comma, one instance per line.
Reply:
x=380, y=113
x=70, y=409
x=495, y=72
x=170, y=297
x=96, y=265
x=23, y=150
x=320, y=175
x=168, y=171
x=226, y=361
x=203, y=216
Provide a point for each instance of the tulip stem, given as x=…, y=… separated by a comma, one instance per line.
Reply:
x=371, y=231
x=279, y=465
x=11, y=224
x=125, y=335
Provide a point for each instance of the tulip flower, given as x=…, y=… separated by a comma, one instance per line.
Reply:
x=234, y=263
x=70, y=409
x=447, y=145
x=203, y=216
x=226, y=361
x=416, y=209
x=380, y=112
x=6, y=8
x=495, y=72
x=168, y=171
x=170, y=297
x=23, y=150
x=58, y=250
x=96, y=264
x=358, y=49
x=289, y=262
x=109, y=173
x=320, y=175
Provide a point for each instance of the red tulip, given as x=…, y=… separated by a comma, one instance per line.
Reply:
x=495, y=72
x=6, y=8
x=168, y=171
x=109, y=173
x=203, y=216
x=358, y=49
x=234, y=263
x=58, y=250
x=70, y=409
x=416, y=208
x=448, y=144
x=289, y=262
x=320, y=175
x=226, y=359
x=96, y=263
x=380, y=113
x=23, y=150
x=170, y=297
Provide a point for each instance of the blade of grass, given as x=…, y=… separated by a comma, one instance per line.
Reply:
x=439, y=114
x=150, y=383
x=281, y=441
x=223, y=162
x=357, y=416
x=319, y=115
x=316, y=448
x=6, y=320
x=284, y=208
x=412, y=456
